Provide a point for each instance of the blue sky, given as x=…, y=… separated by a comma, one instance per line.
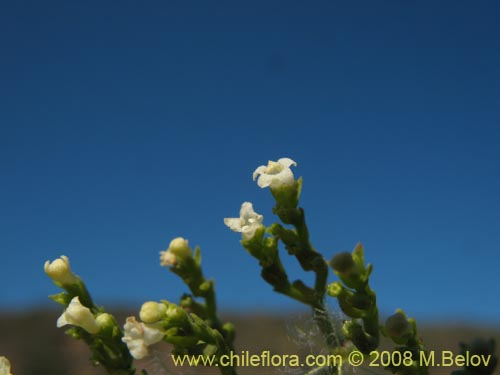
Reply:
x=126, y=124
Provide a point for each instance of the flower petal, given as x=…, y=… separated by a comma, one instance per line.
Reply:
x=151, y=335
x=79, y=315
x=259, y=171
x=167, y=258
x=287, y=162
x=265, y=180
x=61, y=321
x=233, y=223
x=246, y=210
x=284, y=178
x=138, y=336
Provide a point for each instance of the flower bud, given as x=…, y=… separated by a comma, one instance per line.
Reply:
x=397, y=326
x=343, y=263
x=106, y=323
x=4, y=366
x=334, y=289
x=152, y=312
x=175, y=315
x=180, y=248
x=78, y=315
x=60, y=272
x=228, y=331
x=345, y=267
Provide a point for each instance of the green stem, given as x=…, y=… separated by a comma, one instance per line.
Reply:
x=320, y=268
x=371, y=322
x=214, y=337
x=325, y=325
x=193, y=277
x=211, y=309
x=298, y=244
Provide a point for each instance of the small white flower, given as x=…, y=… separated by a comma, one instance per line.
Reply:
x=60, y=271
x=138, y=336
x=4, y=366
x=247, y=223
x=78, y=315
x=275, y=174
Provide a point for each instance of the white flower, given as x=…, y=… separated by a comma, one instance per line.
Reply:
x=139, y=336
x=78, y=315
x=275, y=174
x=4, y=366
x=60, y=272
x=247, y=223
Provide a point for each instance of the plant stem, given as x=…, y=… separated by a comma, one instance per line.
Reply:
x=325, y=325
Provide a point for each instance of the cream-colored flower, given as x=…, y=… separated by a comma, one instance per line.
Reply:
x=248, y=222
x=138, y=336
x=4, y=366
x=60, y=271
x=78, y=315
x=177, y=250
x=275, y=174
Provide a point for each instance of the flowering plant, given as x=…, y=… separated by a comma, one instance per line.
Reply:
x=192, y=326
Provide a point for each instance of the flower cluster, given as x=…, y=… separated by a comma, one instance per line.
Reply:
x=88, y=322
x=275, y=175
x=192, y=326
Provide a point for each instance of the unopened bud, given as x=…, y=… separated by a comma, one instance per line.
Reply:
x=334, y=289
x=106, y=323
x=343, y=263
x=397, y=326
x=4, y=366
x=60, y=271
x=180, y=248
x=346, y=268
x=152, y=312
x=176, y=315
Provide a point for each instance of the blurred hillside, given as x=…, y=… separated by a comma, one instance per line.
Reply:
x=36, y=347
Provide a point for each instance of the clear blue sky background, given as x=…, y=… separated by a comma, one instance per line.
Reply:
x=127, y=123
